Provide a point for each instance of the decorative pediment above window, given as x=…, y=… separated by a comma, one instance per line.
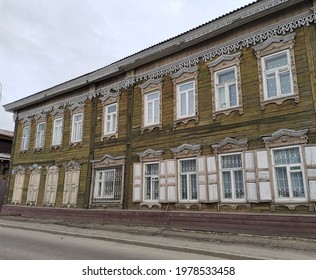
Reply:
x=57, y=113
x=52, y=169
x=151, y=84
x=109, y=97
x=26, y=121
x=73, y=165
x=277, y=41
x=107, y=161
x=186, y=150
x=40, y=118
x=230, y=145
x=185, y=73
x=285, y=137
x=35, y=168
x=77, y=107
x=150, y=155
x=19, y=170
x=225, y=59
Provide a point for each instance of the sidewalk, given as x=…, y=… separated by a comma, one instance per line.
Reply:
x=223, y=246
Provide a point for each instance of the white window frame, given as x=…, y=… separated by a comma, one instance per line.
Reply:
x=75, y=128
x=111, y=123
x=25, y=141
x=188, y=177
x=153, y=178
x=187, y=99
x=290, y=168
x=155, y=109
x=226, y=86
x=99, y=189
x=277, y=71
x=57, y=132
x=40, y=135
x=232, y=171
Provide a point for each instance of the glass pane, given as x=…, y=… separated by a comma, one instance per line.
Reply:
x=188, y=165
x=152, y=96
x=155, y=188
x=77, y=118
x=271, y=85
x=183, y=104
x=239, y=184
x=233, y=95
x=226, y=77
x=297, y=184
x=191, y=103
x=193, y=186
x=221, y=98
x=111, y=108
x=151, y=169
x=227, y=184
x=148, y=188
x=231, y=161
x=184, y=187
x=156, y=111
x=41, y=126
x=287, y=156
x=276, y=61
x=282, y=182
x=186, y=87
x=285, y=82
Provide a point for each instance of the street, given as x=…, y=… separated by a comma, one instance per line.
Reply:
x=18, y=244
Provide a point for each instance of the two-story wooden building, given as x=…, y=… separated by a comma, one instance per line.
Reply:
x=219, y=118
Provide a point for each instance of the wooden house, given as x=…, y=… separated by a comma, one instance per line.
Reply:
x=219, y=118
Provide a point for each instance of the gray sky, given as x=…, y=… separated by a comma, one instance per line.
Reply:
x=44, y=43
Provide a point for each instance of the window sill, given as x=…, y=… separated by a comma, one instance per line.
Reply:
x=75, y=144
x=228, y=111
x=150, y=204
x=151, y=128
x=185, y=121
x=109, y=136
x=279, y=100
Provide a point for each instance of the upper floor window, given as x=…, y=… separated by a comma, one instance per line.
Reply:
x=40, y=135
x=57, y=132
x=110, y=122
x=152, y=108
x=151, y=181
x=25, y=143
x=232, y=179
x=288, y=173
x=76, y=131
x=276, y=70
x=187, y=180
x=277, y=75
x=186, y=100
x=226, y=89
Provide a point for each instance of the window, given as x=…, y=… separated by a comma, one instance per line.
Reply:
x=186, y=99
x=57, y=131
x=226, y=89
x=288, y=173
x=232, y=177
x=152, y=108
x=110, y=119
x=40, y=135
x=277, y=75
x=187, y=179
x=151, y=181
x=76, y=133
x=107, y=186
x=25, y=143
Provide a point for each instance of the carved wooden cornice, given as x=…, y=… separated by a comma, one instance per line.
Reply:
x=107, y=161
x=150, y=155
x=72, y=165
x=186, y=150
x=35, y=168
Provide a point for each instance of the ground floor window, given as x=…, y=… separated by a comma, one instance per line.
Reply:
x=187, y=180
x=108, y=184
x=232, y=176
x=151, y=181
x=288, y=173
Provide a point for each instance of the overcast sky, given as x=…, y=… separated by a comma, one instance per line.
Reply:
x=46, y=42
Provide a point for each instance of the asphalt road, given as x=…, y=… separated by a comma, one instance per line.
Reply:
x=18, y=244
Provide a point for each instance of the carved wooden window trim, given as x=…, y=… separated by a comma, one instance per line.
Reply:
x=71, y=184
x=113, y=164
x=51, y=185
x=40, y=119
x=150, y=87
x=273, y=46
x=18, y=184
x=183, y=76
x=26, y=123
x=286, y=137
x=34, y=183
x=230, y=145
x=76, y=109
x=186, y=150
x=110, y=98
x=220, y=65
x=57, y=114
